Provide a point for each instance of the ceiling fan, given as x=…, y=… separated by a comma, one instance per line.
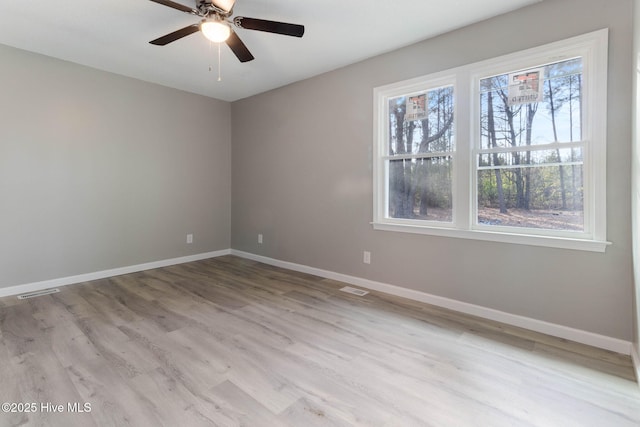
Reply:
x=215, y=25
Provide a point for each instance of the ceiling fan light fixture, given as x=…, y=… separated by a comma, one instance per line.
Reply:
x=225, y=5
x=215, y=30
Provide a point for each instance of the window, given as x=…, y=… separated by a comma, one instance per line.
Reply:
x=420, y=156
x=511, y=149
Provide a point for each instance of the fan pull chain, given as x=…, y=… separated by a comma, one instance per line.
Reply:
x=219, y=61
x=210, y=66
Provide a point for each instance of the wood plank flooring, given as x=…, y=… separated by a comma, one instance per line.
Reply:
x=232, y=342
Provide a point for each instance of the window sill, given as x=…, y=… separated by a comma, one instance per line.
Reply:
x=492, y=236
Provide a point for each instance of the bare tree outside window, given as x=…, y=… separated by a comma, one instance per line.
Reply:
x=420, y=163
x=530, y=164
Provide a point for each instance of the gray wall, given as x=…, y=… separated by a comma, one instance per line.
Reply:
x=301, y=176
x=635, y=177
x=99, y=171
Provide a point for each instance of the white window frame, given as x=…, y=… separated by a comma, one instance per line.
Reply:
x=592, y=47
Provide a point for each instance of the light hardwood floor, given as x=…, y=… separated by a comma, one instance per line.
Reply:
x=231, y=342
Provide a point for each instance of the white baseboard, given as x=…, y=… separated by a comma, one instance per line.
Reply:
x=635, y=356
x=64, y=281
x=577, y=335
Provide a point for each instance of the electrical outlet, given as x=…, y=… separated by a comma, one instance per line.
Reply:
x=189, y=238
x=259, y=239
x=367, y=257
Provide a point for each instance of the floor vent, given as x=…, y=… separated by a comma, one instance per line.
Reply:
x=38, y=293
x=354, y=291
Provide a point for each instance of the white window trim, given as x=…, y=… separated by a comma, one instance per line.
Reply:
x=593, y=48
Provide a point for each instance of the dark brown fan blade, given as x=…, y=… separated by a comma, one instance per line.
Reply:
x=183, y=32
x=225, y=5
x=174, y=5
x=269, y=26
x=238, y=48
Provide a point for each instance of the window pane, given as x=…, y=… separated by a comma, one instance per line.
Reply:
x=545, y=197
x=420, y=189
x=556, y=117
x=421, y=123
x=532, y=188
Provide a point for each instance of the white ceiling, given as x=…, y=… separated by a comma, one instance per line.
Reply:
x=113, y=35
